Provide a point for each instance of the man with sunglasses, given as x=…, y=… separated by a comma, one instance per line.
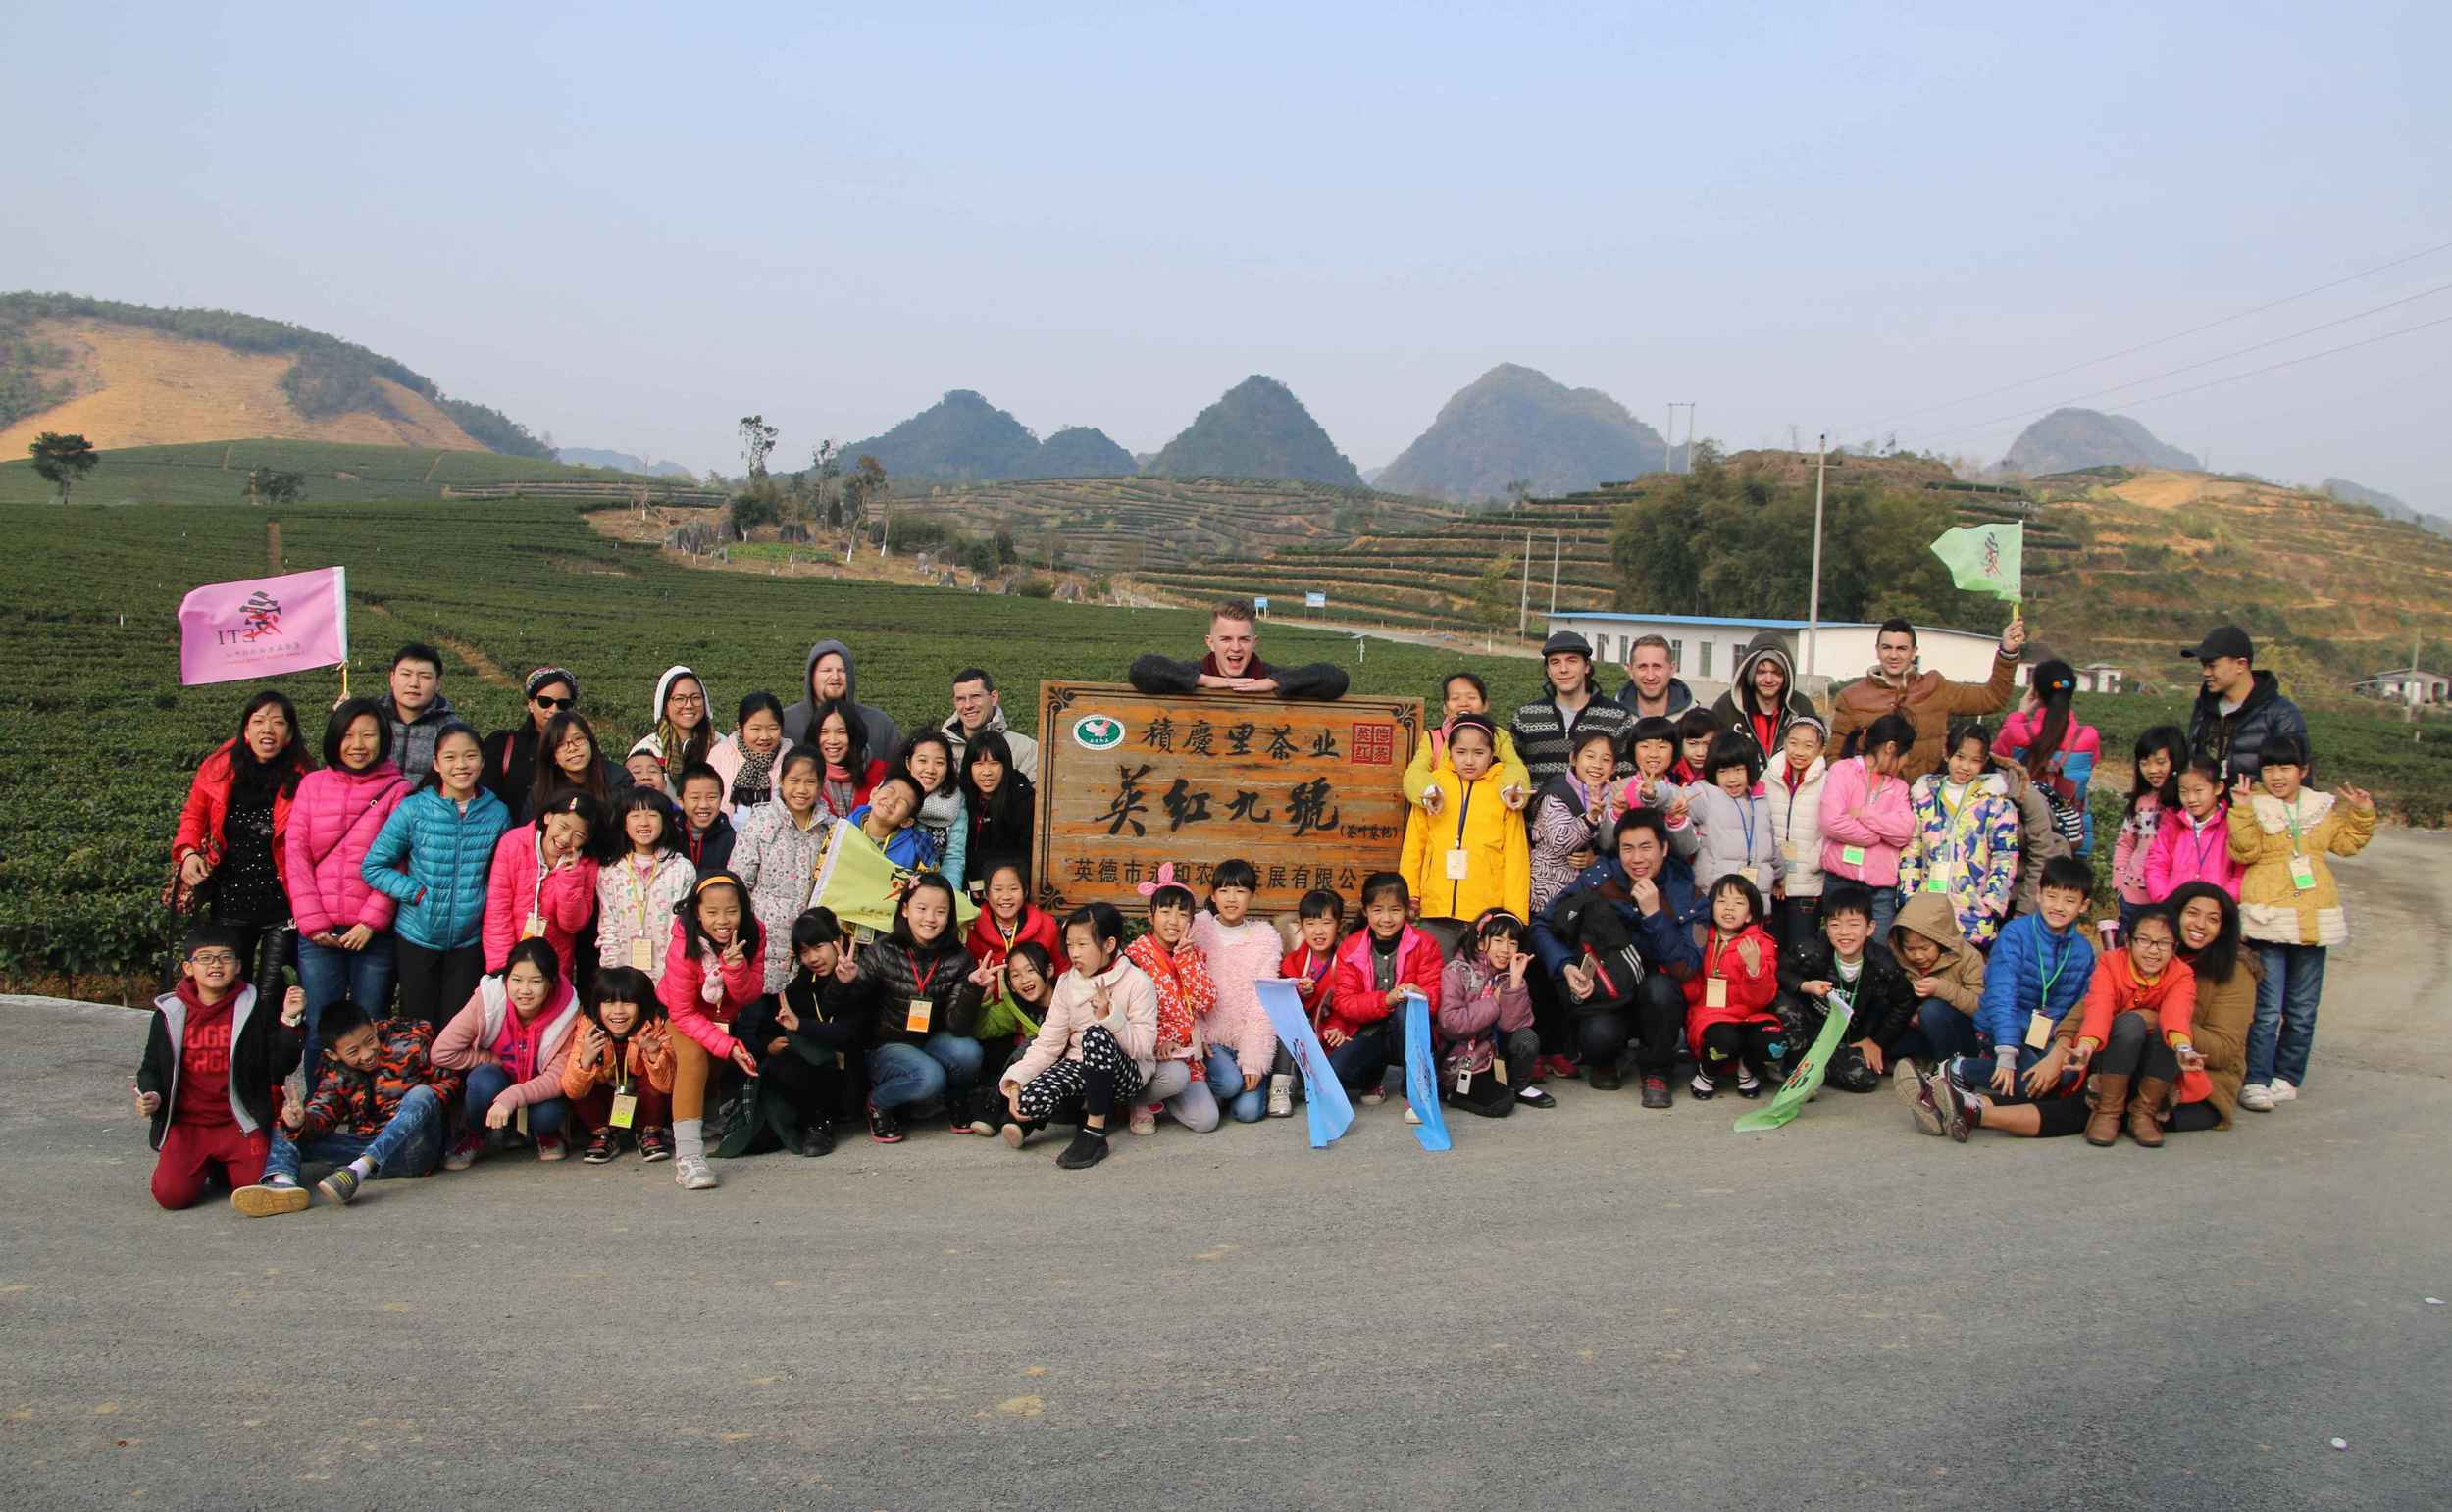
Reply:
x=511, y=754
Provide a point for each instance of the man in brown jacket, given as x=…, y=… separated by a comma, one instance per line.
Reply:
x=1928, y=700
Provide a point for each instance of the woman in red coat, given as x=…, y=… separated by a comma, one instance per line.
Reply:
x=229, y=848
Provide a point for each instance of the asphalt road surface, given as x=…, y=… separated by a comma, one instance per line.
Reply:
x=1596, y=1306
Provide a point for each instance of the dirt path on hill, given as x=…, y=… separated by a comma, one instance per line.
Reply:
x=487, y=670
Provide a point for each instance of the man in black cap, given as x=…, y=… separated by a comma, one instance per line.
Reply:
x=2240, y=708
x=1545, y=728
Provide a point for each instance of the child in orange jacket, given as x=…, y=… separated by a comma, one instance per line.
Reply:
x=1728, y=1002
x=2140, y=1006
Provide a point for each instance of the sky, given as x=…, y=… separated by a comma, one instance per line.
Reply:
x=628, y=226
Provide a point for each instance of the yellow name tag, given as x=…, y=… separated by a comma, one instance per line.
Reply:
x=1458, y=867
x=534, y=928
x=1714, y=991
x=916, y=1021
x=2303, y=874
x=642, y=954
x=624, y=1108
x=2038, y=1031
x=1788, y=850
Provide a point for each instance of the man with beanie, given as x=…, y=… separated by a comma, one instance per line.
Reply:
x=511, y=754
x=1545, y=728
x=2239, y=708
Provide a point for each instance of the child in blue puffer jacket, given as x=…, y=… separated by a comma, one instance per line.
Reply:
x=433, y=856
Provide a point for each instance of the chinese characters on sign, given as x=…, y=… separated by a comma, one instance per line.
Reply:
x=1306, y=792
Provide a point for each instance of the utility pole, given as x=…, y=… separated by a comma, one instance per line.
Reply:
x=1669, y=443
x=1524, y=596
x=1813, y=596
x=2417, y=686
x=1554, y=536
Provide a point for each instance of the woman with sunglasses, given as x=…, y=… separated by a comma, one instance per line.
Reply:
x=510, y=770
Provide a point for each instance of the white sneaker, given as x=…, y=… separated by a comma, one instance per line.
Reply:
x=2284, y=1092
x=1281, y=1095
x=2257, y=1097
x=1411, y=1116
x=694, y=1173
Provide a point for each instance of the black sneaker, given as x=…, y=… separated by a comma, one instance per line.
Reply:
x=1749, y=1085
x=817, y=1139
x=1702, y=1089
x=603, y=1146
x=1654, y=1090
x=1601, y=1077
x=340, y=1186
x=884, y=1126
x=1087, y=1148
x=655, y=1144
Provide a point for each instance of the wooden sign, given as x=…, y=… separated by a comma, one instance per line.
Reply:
x=1309, y=793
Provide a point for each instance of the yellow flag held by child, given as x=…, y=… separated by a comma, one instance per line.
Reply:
x=1984, y=558
x=863, y=888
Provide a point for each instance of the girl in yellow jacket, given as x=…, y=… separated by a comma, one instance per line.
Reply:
x=2289, y=910
x=1430, y=777
x=1474, y=855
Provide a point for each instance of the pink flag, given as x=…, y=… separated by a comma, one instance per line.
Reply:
x=264, y=626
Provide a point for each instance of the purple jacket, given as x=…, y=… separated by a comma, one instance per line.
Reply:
x=333, y=824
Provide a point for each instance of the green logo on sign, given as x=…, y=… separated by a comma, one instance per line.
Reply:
x=1098, y=733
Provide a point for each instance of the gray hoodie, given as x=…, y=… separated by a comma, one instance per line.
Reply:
x=1736, y=704
x=885, y=736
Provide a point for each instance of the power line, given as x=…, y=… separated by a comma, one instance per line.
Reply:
x=2232, y=377
x=2157, y=377
x=2126, y=351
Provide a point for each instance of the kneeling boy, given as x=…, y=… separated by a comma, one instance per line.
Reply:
x=212, y=1061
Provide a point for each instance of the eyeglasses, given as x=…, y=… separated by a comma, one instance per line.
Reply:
x=688, y=700
x=542, y=702
x=214, y=958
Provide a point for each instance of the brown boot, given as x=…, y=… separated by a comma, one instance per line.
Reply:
x=2145, y=1112
x=2111, y=1099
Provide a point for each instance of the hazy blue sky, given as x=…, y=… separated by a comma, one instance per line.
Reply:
x=629, y=225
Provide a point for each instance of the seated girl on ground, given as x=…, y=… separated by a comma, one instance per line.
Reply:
x=1729, y=1022
x=916, y=995
x=510, y=1042
x=1097, y=1046
x=1240, y=950
x=1485, y=1013
x=1179, y=970
x=619, y=1075
x=804, y=1054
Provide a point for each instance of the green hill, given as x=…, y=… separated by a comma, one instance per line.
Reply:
x=1515, y=424
x=1256, y=429
x=2066, y=440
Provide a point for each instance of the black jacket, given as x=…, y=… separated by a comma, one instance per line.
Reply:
x=2235, y=741
x=993, y=843
x=1320, y=681
x=1886, y=1001
x=712, y=852
x=1544, y=738
x=262, y=1053
x=879, y=999
x=794, y=1084
x=511, y=764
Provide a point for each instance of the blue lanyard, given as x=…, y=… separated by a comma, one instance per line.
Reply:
x=1745, y=817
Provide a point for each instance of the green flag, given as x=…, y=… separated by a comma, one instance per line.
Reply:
x=1984, y=558
x=1806, y=1080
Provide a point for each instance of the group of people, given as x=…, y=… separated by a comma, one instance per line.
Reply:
x=517, y=943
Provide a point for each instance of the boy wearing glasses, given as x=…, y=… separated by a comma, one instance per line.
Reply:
x=212, y=1059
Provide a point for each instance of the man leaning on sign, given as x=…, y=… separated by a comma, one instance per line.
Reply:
x=1233, y=665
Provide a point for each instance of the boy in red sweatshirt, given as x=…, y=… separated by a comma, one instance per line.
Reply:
x=213, y=1060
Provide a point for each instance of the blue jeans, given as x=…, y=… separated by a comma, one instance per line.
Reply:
x=900, y=1074
x=486, y=1083
x=363, y=977
x=1975, y=1073
x=1939, y=1032
x=409, y=1145
x=1226, y=1086
x=2284, y=1029
x=1885, y=912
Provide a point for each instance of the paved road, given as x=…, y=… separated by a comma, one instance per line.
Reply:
x=1595, y=1307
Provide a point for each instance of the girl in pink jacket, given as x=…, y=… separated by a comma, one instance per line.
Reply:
x=344, y=925
x=511, y=1040
x=544, y=882
x=1867, y=820
x=714, y=967
x=2193, y=844
x=1242, y=952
